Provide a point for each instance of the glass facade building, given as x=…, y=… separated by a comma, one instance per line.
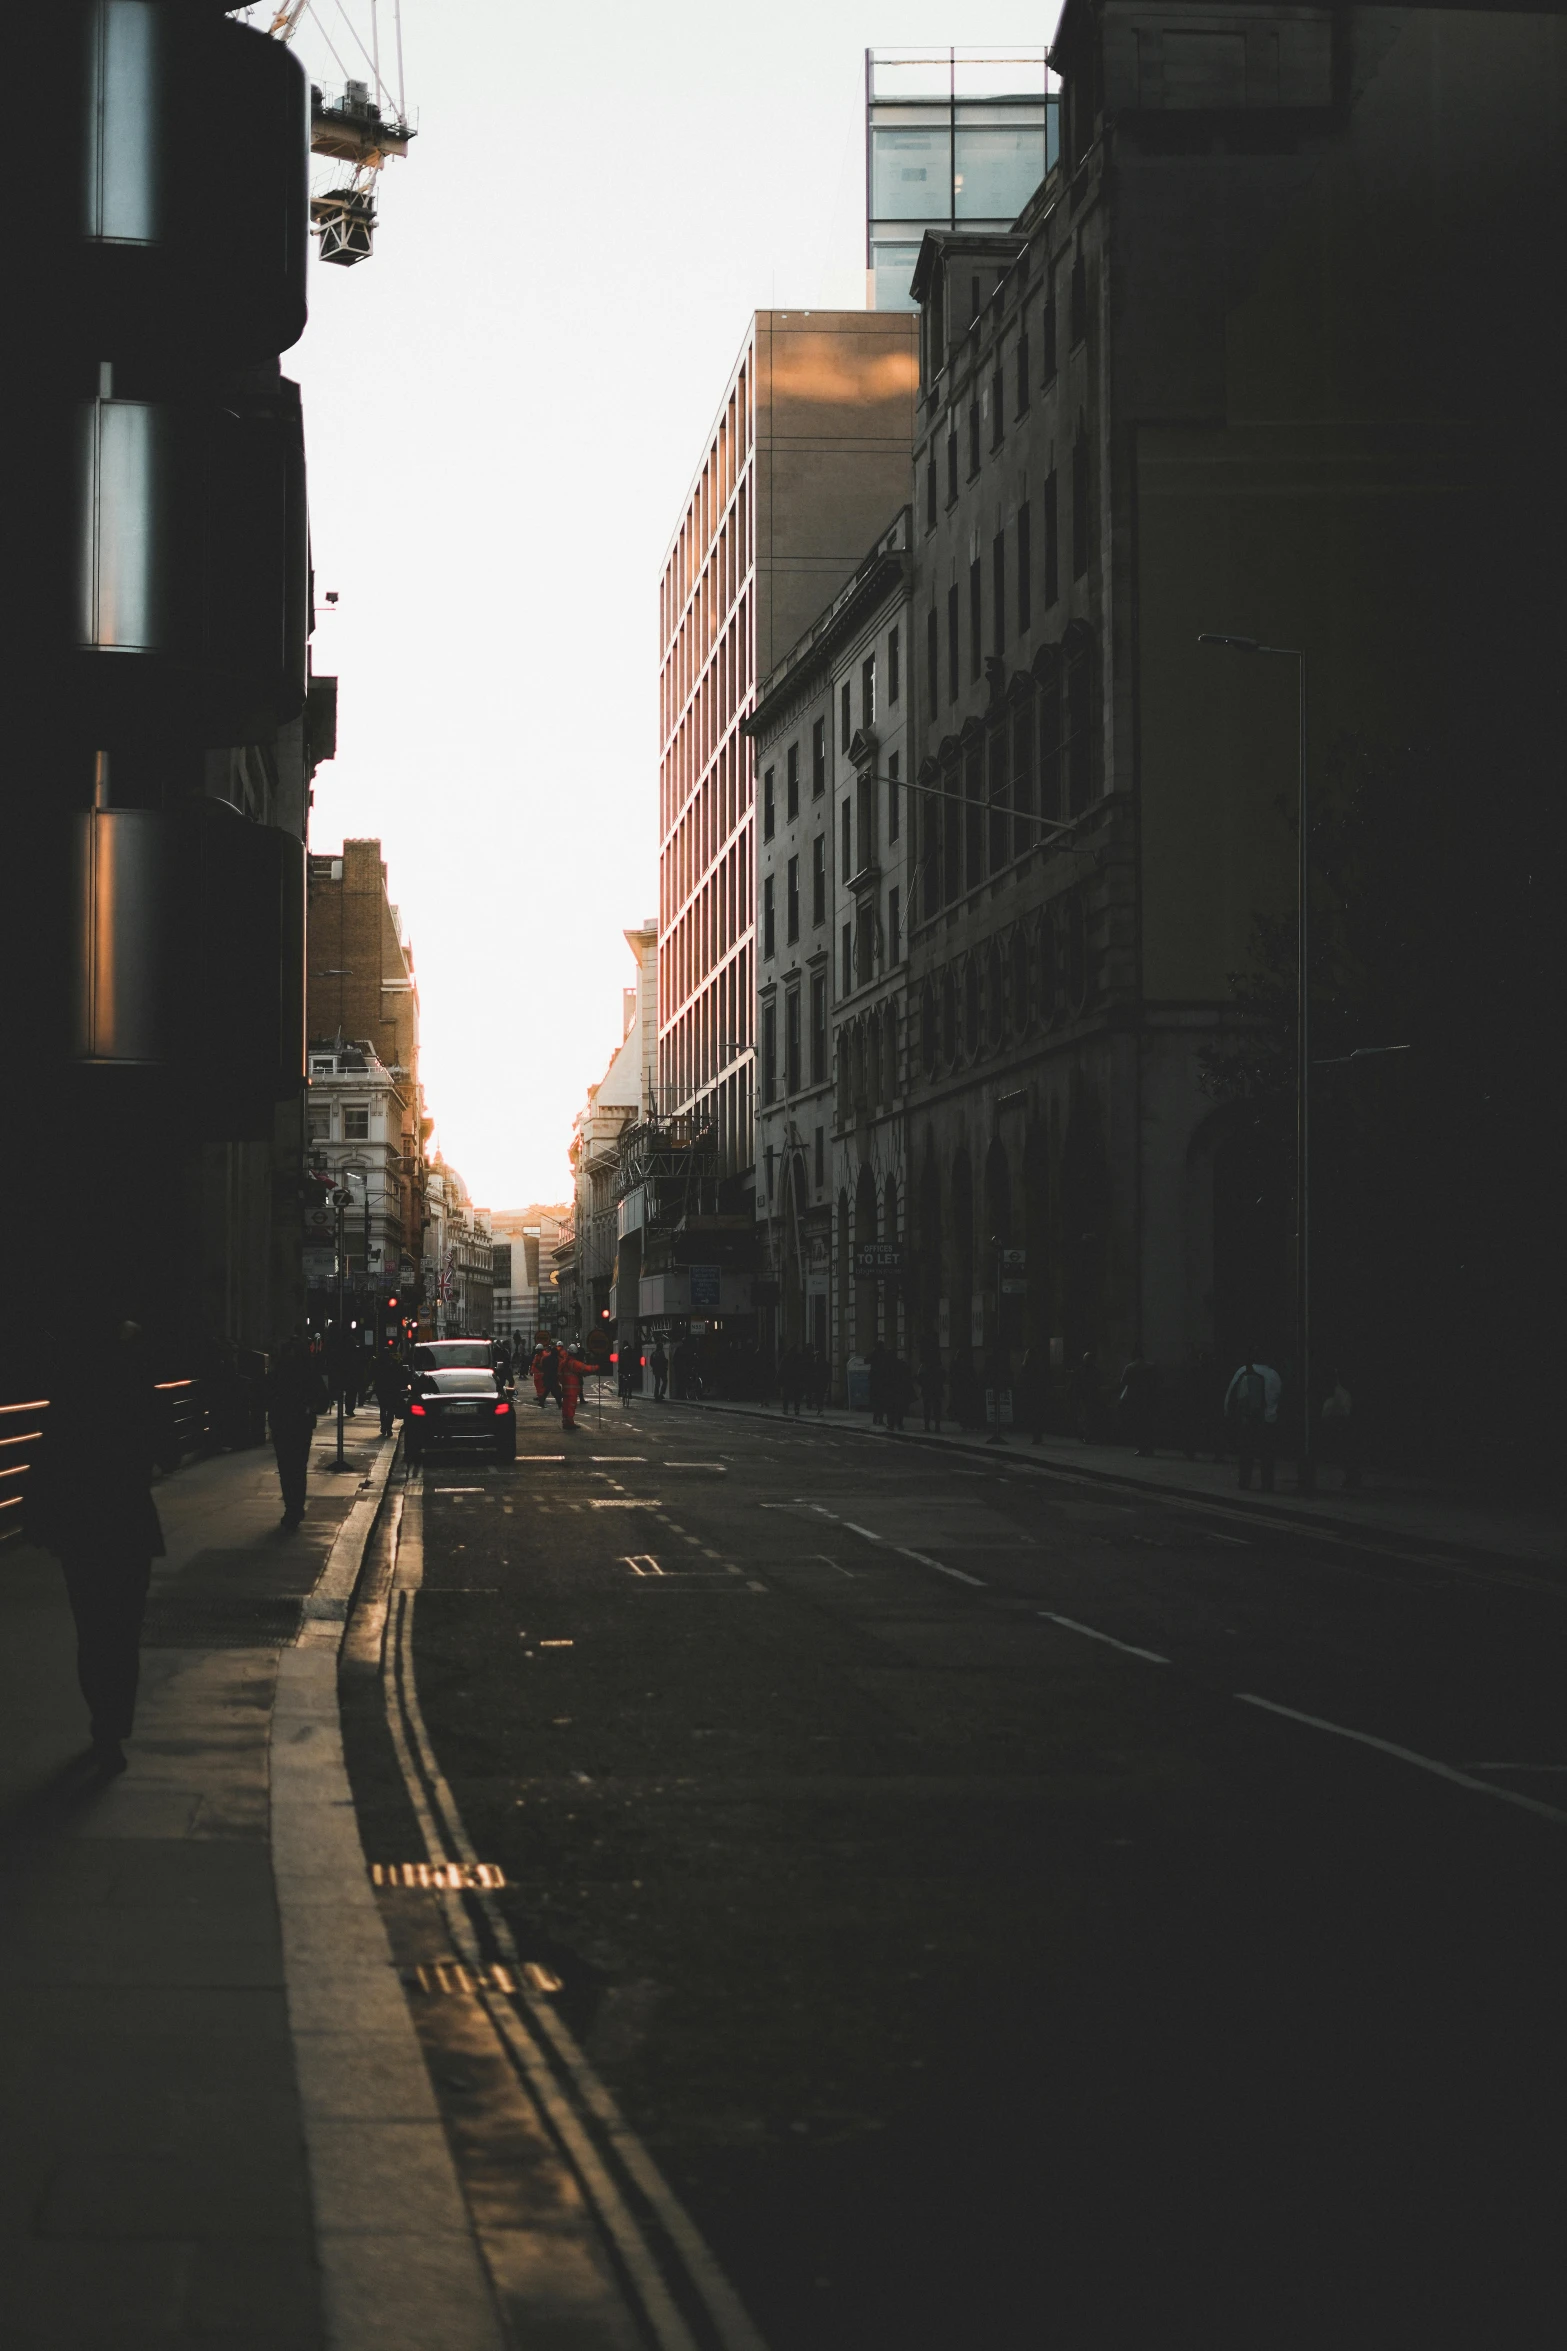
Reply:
x=954, y=138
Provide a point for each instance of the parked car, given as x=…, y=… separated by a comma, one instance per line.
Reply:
x=459, y=1398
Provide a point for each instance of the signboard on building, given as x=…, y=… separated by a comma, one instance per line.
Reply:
x=706, y=1281
x=877, y=1257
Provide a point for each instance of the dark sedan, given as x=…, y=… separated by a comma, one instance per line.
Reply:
x=458, y=1399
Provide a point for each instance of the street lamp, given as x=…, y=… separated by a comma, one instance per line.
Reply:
x=1295, y=653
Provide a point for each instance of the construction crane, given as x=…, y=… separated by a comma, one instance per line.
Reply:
x=359, y=130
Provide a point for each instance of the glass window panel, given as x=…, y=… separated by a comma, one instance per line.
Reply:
x=996, y=171
x=911, y=174
x=893, y=270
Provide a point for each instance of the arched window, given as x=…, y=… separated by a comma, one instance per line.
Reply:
x=996, y=994
x=1022, y=994
x=1050, y=802
x=949, y=1016
x=971, y=1007
x=929, y=1042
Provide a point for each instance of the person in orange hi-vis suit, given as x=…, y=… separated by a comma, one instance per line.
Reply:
x=572, y=1368
x=540, y=1368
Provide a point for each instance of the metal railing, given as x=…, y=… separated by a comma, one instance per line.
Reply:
x=189, y=1425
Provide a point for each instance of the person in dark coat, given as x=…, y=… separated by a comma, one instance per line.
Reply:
x=1033, y=1383
x=930, y=1391
x=295, y=1396
x=877, y=1384
x=1138, y=1403
x=88, y=1501
x=791, y=1380
x=391, y=1386
x=658, y=1364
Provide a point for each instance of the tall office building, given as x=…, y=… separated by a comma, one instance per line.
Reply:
x=954, y=139
x=807, y=458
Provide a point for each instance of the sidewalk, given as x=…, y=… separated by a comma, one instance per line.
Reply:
x=1408, y=1512
x=166, y=2101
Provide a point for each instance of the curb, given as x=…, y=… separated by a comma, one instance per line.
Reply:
x=400, y=2267
x=1239, y=1505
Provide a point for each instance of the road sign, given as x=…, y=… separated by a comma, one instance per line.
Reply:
x=1014, y=1260
x=1013, y=1289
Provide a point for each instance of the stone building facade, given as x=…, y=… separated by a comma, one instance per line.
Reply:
x=836, y=825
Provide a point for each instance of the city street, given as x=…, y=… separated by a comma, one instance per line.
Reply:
x=961, y=1906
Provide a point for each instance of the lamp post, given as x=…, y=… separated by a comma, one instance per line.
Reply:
x=1295, y=653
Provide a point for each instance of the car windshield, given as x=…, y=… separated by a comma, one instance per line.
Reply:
x=458, y=1380
x=455, y=1355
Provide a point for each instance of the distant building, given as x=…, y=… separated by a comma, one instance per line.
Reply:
x=456, y=1297
x=623, y=1095
x=355, y=1114
x=361, y=985
x=837, y=820
x=954, y=139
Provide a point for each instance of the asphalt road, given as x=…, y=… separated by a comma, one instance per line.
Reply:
x=982, y=1964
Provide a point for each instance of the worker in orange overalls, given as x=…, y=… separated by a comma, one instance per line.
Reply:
x=572, y=1368
x=540, y=1368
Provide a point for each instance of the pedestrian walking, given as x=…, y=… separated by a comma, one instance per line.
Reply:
x=930, y=1391
x=391, y=1387
x=89, y=1502
x=1138, y=1404
x=900, y=1391
x=816, y=1380
x=1251, y=1412
x=295, y=1397
x=629, y=1380
x=572, y=1371
x=876, y=1384
x=658, y=1364
x=1341, y=1432
x=791, y=1381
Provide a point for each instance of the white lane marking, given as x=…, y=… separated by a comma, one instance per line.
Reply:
x=524, y=1459
x=459, y=1489
x=922, y=1557
x=753, y=1586
x=731, y=2321
x=1441, y=1771
x=1092, y=1633
x=614, y=1457
x=1546, y=1767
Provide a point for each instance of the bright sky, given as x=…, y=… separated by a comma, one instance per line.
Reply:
x=503, y=410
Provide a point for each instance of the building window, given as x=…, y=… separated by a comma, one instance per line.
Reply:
x=952, y=642
x=1047, y=320
x=767, y=804
x=868, y=691
x=769, y=917
x=971, y=1008
x=930, y=489
x=320, y=1123
x=996, y=784
x=1052, y=540
x=848, y=960
x=976, y=626
x=821, y=1157
x=1080, y=518
x=769, y=1066
x=792, y=782
x=894, y=928
x=792, y=901
x=1050, y=749
x=356, y=1124
x=792, y=1042
x=845, y=715
x=998, y=591
x=1020, y=397
x=894, y=680
x=997, y=429
x=819, y=1033
x=932, y=662
x=323, y=1069
x=929, y=1040
x=819, y=879
x=818, y=758
x=973, y=439
x=973, y=819
x=952, y=461
x=1079, y=297
x=1022, y=777
x=949, y=1015
x=894, y=796
x=1021, y=1007
x=1078, y=744
x=995, y=996
x=847, y=823
x=1025, y=578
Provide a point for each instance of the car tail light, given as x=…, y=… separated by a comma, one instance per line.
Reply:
x=417, y=1410
x=501, y=1411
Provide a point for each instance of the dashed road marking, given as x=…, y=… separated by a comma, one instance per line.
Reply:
x=1092, y=1633
x=1441, y=1771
